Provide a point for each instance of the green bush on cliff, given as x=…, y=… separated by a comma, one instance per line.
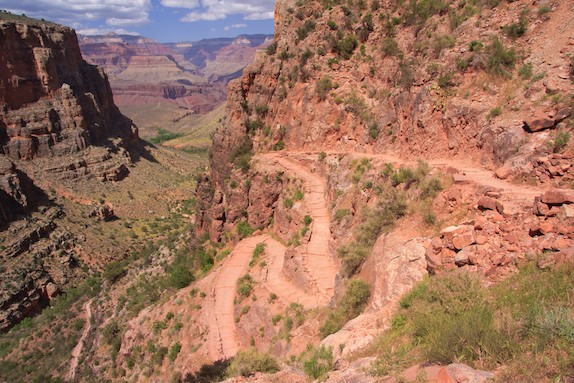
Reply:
x=351, y=305
x=248, y=362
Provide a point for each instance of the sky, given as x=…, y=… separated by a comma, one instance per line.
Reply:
x=162, y=20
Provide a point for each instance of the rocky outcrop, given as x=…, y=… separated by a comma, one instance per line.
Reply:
x=58, y=122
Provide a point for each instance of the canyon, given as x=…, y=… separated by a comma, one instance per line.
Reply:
x=388, y=188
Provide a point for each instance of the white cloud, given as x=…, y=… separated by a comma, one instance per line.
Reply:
x=220, y=9
x=189, y=4
x=235, y=26
x=76, y=12
x=105, y=31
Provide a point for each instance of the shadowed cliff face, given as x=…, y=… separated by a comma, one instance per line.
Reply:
x=53, y=101
x=58, y=122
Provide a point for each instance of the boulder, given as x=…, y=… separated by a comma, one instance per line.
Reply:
x=503, y=172
x=558, y=197
x=460, y=241
x=461, y=373
x=539, y=121
x=488, y=203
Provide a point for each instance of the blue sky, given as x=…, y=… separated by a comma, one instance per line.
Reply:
x=163, y=20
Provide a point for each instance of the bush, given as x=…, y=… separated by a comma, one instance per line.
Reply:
x=317, y=362
x=248, y=362
x=560, y=142
x=500, y=60
x=526, y=71
x=517, y=29
x=244, y=230
x=245, y=286
x=390, y=47
x=304, y=30
x=241, y=155
x=441, y=42
x=164, y=135
x=347, y=46
x=351, y=305
x=323, y=87
x=272, y=48
x=174, y=351
x=114, y=271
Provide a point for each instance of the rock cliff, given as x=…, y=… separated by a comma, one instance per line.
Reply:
x=58, y=122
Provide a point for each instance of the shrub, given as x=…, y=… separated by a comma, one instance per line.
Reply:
x=390, y=47
x=332, y=25
x=323, y=87
x=517, y=29
x=441, y=42
x=174, y=351
x=247, y=362
x=280, y=145
x=303, y=31
x=245, y=286
x=272, y=48
x=244, y=229
x=241, y=155
x=495, y=112
x=114, y=271
x=560, y=141
x=347, y=46
x=317, y=362
x=500, y=60
x=261, y=110
x=526, y=71
x=351, y=305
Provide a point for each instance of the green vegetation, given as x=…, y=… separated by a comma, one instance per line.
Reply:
x=518, y=29
x=174, y=351
x=244, y=230
x=317, y=362
x=247, y=362
x=495, y=112
x=245, y=286
x=526, y=71
x=259, y=249
x=241, y=155
x=323, y=87
x=272, y=48
x=307, y=27
x=561, y=139
x=500, y=59
x=164, y=135
x=352, y=304
x=34, y=349
x=390, y=47
x=525, y=323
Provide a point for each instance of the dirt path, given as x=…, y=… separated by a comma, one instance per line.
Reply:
x=279, y=283
x=318, y=262
x=223, y=339
x=77, y=351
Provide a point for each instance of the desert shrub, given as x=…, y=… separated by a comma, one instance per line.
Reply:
x=526, y=71
x=323, y=87
x=495, y=112
x=475, y=46
x=500, y=59
x=305, y=56
x=517, y=29
x=347, y=46
x=114, y=271
x=244, y=230
x=248, y=362
x=317, y=362
x=445, y=80
x=390, y=47
x=441, y=42
x=560, y=141
x=245, y=286
x=272, y=48
x=332, y=25
x=241, y=155
x=159, y=355
x=279, y=145
x=351, y=305
x=303, y=31
x=174, y=351
x=419, y=11
x=261, y=110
